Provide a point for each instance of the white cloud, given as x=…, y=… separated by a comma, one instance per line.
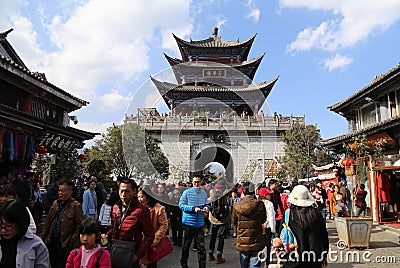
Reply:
x=8, y=7
x=113, y=101
x=356, y=20
x=321, y=38
x=95, y=45
x=337, y=62
x=254, y=14
x=220, y=20
x=94, y=127
x=154, y=100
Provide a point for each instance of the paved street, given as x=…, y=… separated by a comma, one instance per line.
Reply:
x=384, y=244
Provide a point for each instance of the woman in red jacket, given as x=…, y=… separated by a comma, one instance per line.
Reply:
x=90, y=254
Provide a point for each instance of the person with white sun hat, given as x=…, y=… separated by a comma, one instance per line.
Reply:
x=308, y=227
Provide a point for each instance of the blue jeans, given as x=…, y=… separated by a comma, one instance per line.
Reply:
x=217, y=231
x=251, y=258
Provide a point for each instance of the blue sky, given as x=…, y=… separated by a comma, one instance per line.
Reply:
x=104, y=52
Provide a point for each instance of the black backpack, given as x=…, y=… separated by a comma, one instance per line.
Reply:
x=219, y=208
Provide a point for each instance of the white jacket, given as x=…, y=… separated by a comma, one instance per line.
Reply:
x=105, y=215
x=270, y=223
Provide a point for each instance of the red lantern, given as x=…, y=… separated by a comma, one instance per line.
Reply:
x=347, y=162
x=82, y=157
x=41, y=150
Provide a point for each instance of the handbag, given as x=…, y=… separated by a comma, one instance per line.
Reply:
x=162, y=249
x=122, y=253
x=339, y=207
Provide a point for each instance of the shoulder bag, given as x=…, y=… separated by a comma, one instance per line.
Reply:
x=162, y=249
x=121, y=251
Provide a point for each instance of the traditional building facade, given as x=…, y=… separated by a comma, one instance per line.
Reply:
x=215, y=111
x=374, y=111
x=33, y=112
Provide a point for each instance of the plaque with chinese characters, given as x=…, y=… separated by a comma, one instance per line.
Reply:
x=214, y=73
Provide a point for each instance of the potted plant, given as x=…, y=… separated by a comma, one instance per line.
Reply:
x=356, y=231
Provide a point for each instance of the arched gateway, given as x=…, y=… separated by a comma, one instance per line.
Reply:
x=214, y=110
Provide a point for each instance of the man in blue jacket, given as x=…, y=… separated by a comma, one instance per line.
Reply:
x=193, y=204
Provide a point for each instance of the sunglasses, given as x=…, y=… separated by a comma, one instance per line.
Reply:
x=196, y=182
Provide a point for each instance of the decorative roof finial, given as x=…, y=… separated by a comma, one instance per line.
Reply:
x=215, y=31
x=4, y=34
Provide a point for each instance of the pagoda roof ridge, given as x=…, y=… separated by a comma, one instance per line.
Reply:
x=13, y=63
x=40, y=78
x=214, y=41
x=164, y=87
x=9, y=50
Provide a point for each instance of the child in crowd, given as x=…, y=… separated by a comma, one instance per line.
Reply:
x=105, y=215
x=90, y=254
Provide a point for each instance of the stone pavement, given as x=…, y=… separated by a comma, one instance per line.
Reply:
x=384, y=251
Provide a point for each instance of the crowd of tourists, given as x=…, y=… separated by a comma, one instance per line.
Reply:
x=93, y=223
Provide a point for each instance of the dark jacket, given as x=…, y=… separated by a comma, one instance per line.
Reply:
x=222, y=216
x=136, y=226
x=277, y=201
x=248, y=216
x=51, y=195
x=72, y=218
x=24, y=192
x=360, y=198
x=311, y=239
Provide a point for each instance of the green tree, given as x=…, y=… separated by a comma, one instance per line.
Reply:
x=127, y=151
x=157, y=157
x=108, y=150
x=324, y=157
x=96, y=166
x=66, y=166
x=300, y=144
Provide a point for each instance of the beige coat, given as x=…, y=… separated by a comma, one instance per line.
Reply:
x=160, y=225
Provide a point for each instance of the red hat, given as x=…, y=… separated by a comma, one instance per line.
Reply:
x=264, y=191
x=219, y=186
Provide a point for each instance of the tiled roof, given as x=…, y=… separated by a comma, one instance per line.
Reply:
x=165, y=87
x=26, y=118
x=39, y=77
x=16, y=64
x=214, y=41
x=8, y=51
x=373, y=129
x=378, y=80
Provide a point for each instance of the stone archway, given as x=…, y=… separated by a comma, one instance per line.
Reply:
x=214, y=154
